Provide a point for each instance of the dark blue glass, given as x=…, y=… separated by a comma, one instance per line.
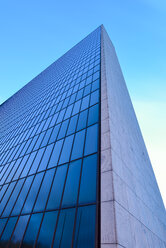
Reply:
x=72, y=125
x=6, y=196
x=94, y=97
x=30, y=148
x=21, y=167
x=19, y=230
x=54, y=134
x=25, y=147
x=63, y=129
x=55, y=154
x=21, y=198
x=78, y=146
x=36, y=162
x=45, y=158
x=87, y=90
x=28, y=164
x=12, y=172
x=91, y=142
x=47, y=230
x=85, y=103
x=93, y=115
x=8, y=231
x=82, y=121
x=44, y=191
x=46, y=137
x=85, y=227
x=88, y=180
x=66, y=150
x=57, y=187
x=32, y=193
x=32, y=230
x=38, y=143
x=64, y=231
x=13, y=198
x=2, y=224
x=72, y=183
x=95, y=85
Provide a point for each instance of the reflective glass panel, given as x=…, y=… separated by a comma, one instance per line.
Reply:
x=32, y=230
x=47, y=230
x=57, y=187
x=64, y=231
x=72, y=183
x=85, y=227
x=88, y=180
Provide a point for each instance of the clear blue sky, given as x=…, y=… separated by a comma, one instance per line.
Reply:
x=34, y=33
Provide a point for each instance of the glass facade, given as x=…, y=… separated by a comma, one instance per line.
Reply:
x=49, y=154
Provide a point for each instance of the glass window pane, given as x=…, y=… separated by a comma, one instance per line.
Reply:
x=38, y=143
x=32, y=230
x=57, y=187
x=47, y=230
x=44, y=191
x=79, y=94
x=94, y=97
x=63, y=129
x=72, y=125
x=85, y=103
x=72, y=182
x=28, y=164
x=12, y=172
x=64, y=231
x=91, y=142
x=66, y=150
x=60, y=116
x=77, y=151
x=25, y=147
x=82, y=120
x=53, y=121
x=20, y=201
x=93, y=116
x=88, y=180
x=36, y=162
x=19, y=230
x=45, y=158
x=21, y=167
x=2, y=225
x=87, y=90
x=54, y=134
x=68, y=112
x=13, y=198
x=8, y=231
x=32, y=193
x=6, y=196
x=85, y=227
x=46, y=137
x=96, y=75
x=76, y=107
x=30, y=148
x=55, y=154
x=95, y=85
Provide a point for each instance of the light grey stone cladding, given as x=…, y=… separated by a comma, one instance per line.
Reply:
x=132, y=210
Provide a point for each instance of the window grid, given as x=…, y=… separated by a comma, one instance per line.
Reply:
x=30, y=138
